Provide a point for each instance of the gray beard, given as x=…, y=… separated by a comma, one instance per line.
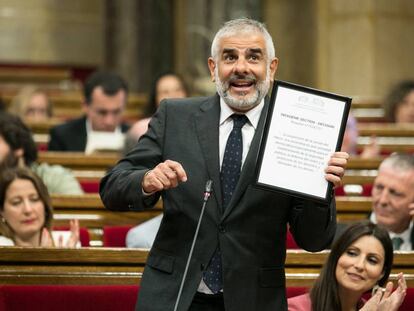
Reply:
x=244, y=104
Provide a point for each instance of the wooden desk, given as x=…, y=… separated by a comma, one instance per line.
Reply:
x=79, y=160
x=92, y=214
x=351, y=209
x=386, y=129
x=110, y=266
x=68, y=105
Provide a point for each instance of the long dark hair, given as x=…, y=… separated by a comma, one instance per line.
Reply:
x=324, y=293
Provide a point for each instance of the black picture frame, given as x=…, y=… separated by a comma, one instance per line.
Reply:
x=285, y=152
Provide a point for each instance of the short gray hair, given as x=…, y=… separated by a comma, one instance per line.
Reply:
x=399, y=161
x=242, y=26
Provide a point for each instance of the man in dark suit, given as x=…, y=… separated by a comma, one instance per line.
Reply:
x=105, y=96
x=241, y=242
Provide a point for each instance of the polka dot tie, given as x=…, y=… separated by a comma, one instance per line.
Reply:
x=229, y=175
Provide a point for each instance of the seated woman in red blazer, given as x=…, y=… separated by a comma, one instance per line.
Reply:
x=360, y=260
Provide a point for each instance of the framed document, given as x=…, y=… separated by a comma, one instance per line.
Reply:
x=303, y=128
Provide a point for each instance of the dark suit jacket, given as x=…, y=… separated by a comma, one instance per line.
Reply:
x=71, y=136
x=251, y=231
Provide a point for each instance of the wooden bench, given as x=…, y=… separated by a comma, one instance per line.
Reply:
x=367, y=109
x=34, y=75
x=68, y=105
x=92, y=214
x=93, y=167
x=351, y=208
x=80, y=160
x=386, y=129
x=112, y=266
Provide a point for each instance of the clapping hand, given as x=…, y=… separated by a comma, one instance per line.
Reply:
x=386, y=300
x=47, y=240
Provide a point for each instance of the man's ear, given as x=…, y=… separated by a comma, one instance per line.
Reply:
x=212, y=66
x=273, y=68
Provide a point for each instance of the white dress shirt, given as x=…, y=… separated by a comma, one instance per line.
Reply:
x=405, y=235
x=107, y=141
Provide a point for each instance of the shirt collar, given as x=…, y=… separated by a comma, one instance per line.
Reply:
x=90, y=130
x=253, y=114
x=405, y=235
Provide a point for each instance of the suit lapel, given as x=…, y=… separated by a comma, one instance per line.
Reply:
x=207, y=125
x=249, y=167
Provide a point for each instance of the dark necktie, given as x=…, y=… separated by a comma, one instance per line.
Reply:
x=397, y=242
x=229, y=175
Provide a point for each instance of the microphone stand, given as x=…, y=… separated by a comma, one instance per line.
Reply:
x=207, y=192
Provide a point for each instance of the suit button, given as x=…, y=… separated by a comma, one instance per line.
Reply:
x=222, y=229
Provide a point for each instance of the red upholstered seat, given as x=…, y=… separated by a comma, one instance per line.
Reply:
x=83, y=235
x=90, y=186
x=295, y=291
x=68, y=297
x=365, y=191
x=41, y=147
x=290, y=241
x=114, y=236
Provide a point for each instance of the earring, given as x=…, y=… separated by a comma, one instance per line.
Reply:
x=3, y=220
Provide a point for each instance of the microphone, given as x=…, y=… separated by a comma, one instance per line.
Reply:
x=207, y=192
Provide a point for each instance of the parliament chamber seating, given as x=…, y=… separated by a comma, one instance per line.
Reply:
x=67, y=104
x=100, y=297
x=83, y=234
x=90, y=185
x=68, y=276
x=91, y=213
x=360, y=190
x=68, y=297
x=114, y=236
x=290, y=241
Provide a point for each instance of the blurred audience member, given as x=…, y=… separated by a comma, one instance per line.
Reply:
x=143, y=235
x=17, y=148
x=399, y=103
x=105, y=98
x=167, y=85
x=393, y=199
x=359, y=261
x=350, y=141
x=27, y=214
x=32, y=104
